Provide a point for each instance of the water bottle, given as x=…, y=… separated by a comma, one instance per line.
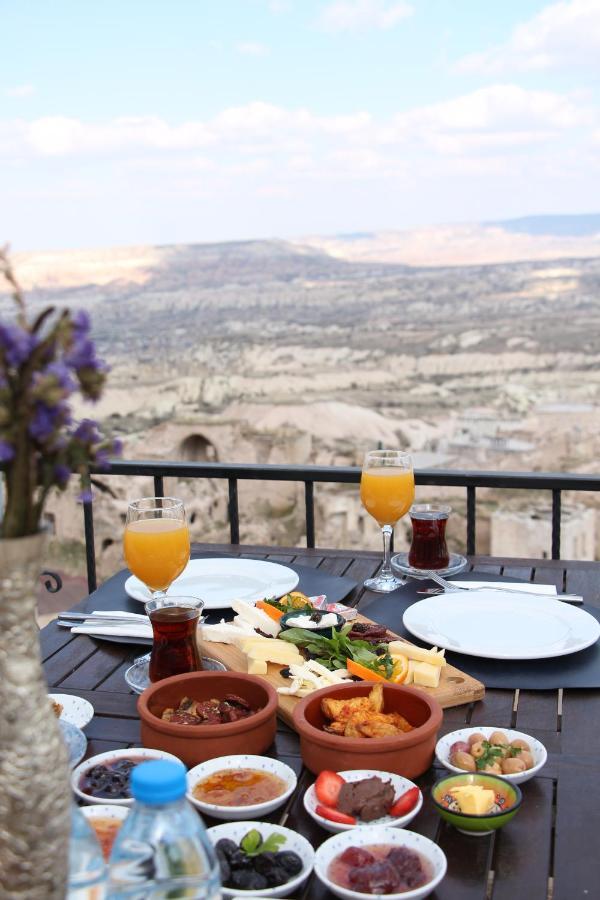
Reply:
x=87, y=870
x=162, y=849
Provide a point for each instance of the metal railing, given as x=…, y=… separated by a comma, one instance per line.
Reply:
x=554, y=482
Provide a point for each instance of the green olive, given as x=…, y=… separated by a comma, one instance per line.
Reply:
x=493, y=768
x=526, y=757
x=498, y=738
x=476, y=738
x=512, y=765
x=520, y=744
x=463, y=760
x=478, y=750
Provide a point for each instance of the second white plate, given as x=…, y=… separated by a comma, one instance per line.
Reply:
x=493, y=625
x=220, y=581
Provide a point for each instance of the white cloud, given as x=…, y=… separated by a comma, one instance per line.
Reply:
x=252, y=48
x=561, y=35
x=20, y=90
x=354, y=15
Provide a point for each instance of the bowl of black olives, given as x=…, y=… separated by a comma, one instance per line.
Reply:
x=261, y=858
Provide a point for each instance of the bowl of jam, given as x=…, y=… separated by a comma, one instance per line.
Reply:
x=106, y=778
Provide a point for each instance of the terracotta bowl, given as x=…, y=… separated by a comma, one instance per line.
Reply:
x=194, y=744
x=408, y=754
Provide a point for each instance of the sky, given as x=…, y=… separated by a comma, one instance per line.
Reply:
x=137, y=121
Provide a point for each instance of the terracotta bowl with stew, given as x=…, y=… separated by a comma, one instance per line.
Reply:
x=408, y=754
x=194, y=744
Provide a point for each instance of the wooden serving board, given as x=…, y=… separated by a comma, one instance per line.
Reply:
x=454, y=689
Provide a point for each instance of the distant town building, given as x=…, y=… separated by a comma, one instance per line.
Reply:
x=529, y=533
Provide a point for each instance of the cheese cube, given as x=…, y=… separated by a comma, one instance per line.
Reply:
x=256, y=666
x=473, y=799
x=426, y=674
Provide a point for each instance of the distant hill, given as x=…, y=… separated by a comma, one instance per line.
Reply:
x=557, y=226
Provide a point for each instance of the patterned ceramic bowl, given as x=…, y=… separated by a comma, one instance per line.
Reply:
x=400, y=785
x=137, y=754
x=538, y=751
x=369, y=835
x=508, y=801
x=235, y=831
x=235, y=813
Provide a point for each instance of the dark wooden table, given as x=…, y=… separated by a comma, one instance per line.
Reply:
x=550, y=850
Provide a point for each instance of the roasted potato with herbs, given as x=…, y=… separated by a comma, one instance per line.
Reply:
x=363, y=717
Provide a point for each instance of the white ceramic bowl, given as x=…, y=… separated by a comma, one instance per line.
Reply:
x=400, y=785
x=538, y=751
x=380, y=834
x=75, y=710
x=253, y=810
x=141, y=753
x=235, y=831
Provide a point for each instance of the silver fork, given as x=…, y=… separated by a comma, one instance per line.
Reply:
x=451, y=588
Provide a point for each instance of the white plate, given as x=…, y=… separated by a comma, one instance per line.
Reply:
x=75, y=710
x=538, y=751
x=380, y=834
x=254, y=810
x=493, y=625
x=400, y=784
x=220, y=581
x=295, y=842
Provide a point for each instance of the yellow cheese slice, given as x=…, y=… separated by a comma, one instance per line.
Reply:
x=473, y=799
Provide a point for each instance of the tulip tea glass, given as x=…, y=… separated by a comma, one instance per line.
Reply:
x=428, y=549
x=174, y=622
x=387, y=489
x=156, y=543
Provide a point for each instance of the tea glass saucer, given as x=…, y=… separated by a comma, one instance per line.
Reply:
x=456, y=564
x=137, y=676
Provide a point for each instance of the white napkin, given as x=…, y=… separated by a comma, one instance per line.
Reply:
x=527, y=588
x=132, y=625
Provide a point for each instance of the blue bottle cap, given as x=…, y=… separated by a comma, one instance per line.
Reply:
x=158, y=781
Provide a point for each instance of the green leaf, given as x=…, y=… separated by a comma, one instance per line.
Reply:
x=251, y=842
x=273, y=843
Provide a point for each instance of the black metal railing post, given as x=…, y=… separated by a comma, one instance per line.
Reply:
x=556, y=522
x=309, y=502
x=159, y=486
x=471, y=519
x=234, y=511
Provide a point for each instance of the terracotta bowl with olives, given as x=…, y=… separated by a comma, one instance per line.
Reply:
x=504, y=752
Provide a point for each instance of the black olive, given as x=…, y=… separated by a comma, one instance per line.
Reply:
x=239, y=860
x=285, y=673
x=264, y=862
x=227, y=847
x=223, y=865
x=277, y=875
x=247, y=881
x=289, y=861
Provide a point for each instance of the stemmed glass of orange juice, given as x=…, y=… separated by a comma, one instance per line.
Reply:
x=387, y=490
x=156, y=543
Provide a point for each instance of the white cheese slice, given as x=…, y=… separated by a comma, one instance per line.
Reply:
x=223, y=633
x=417, y=653
x=285, y=656
x=256, y=617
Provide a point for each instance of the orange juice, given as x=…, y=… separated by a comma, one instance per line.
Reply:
x=157, y=550
x=387, y=492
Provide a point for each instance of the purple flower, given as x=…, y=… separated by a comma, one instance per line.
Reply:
x=17, y=344
x=60, y=372
x=62, y=474
x=81, y=323
x=87, y=432
x=6, y=451
x=43, y=422
x=82, y=355
x=85, y=496
x=117, y=447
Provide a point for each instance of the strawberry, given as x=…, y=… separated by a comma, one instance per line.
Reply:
x=405, y=803
x=327, y=788
x=334, y=816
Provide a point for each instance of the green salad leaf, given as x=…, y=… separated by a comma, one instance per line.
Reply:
x=333, y=652
x=253, y=845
